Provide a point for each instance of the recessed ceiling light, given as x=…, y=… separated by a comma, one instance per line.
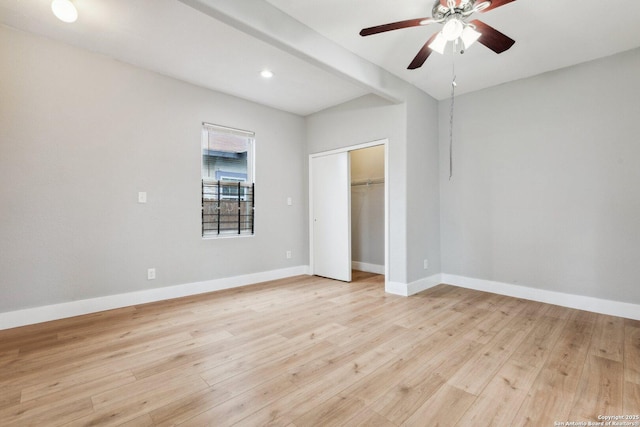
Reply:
x=64, y=10
x=267, y=74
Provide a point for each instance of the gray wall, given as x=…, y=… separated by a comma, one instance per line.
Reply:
x=546, y=185
x=367, y=119
x=546, y=189
x=423, y=187
x=81, y=134
x=412, y=131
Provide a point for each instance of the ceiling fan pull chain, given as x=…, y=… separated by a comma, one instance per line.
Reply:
x=453, y=93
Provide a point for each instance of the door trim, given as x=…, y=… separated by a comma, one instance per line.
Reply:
x=384, y=142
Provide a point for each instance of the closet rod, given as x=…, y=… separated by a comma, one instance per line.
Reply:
x=367, y=182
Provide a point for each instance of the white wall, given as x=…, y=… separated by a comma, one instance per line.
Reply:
x=81, y=134
x=546, y=185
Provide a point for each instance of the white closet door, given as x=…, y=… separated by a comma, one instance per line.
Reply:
x=331, y=216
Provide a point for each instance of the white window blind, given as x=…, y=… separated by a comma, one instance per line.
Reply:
x=227, y=154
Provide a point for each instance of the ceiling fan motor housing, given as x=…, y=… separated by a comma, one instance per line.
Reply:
x=453, y=14
x=460, y=7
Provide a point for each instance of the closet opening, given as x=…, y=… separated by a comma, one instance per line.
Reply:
x=349, y=212
x=367, y=209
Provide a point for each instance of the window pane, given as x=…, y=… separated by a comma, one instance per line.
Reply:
x=227, y=181
x=226, y=155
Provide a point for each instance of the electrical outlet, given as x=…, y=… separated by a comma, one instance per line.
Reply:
x=288, y=254
x=151, y=274
x=426, y=264
x=142, y=197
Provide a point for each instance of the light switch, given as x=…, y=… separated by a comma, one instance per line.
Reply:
x=142, y=197
x=289, y=201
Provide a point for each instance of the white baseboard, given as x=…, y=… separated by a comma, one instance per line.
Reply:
x=424, y=284
x=596, y=305
x=396, y=288
x=408, y=289
x=366, y=267
x=13, y=319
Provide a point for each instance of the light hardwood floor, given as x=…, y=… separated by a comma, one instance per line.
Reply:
x=311, y=351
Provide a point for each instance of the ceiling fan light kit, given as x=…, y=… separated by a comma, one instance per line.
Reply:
x=469, y=36
x=64, y=10
x=439, y=44
x=454, y=15
x=462, y=35
x=452, y=29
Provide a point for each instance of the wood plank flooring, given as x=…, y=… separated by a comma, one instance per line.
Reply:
x=310, y=351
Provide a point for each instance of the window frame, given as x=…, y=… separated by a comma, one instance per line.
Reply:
x=248, y=182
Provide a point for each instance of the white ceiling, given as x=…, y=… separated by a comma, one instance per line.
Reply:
x=172, y=38
x=549, y=34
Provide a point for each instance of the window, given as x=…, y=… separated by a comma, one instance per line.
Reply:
x=227, y=181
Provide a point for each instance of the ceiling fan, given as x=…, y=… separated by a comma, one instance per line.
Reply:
x=462, y=34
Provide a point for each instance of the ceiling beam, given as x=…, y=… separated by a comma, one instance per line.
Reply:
x=264, y=21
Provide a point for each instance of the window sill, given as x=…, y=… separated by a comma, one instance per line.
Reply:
x=226, y=236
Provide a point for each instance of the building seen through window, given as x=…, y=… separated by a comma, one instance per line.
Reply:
x=227, y=181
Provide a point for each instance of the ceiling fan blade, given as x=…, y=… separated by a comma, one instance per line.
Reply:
x=395, y=26
x=422, y=55
x=496, y=3
x=492, y=38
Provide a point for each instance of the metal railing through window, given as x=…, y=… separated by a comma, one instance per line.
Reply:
x=228, y=208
